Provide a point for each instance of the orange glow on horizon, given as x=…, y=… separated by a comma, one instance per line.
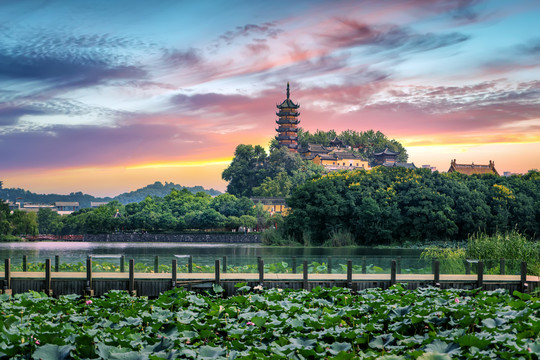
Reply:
x=192, y=163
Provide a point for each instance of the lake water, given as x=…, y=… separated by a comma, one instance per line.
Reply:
x=203, y=253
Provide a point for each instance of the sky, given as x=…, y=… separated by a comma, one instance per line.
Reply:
x=109, y=96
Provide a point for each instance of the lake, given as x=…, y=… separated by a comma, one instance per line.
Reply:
x=203, y=253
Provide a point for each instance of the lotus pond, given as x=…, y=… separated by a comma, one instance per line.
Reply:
x=423, y=324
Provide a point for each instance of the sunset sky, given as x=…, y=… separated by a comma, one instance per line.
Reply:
x=108, y=96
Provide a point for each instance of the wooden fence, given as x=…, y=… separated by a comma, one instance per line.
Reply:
x=92, y=283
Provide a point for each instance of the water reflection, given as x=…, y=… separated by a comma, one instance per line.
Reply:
x=203, y=253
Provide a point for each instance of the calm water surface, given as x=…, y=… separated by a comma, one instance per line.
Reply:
x=203, y=253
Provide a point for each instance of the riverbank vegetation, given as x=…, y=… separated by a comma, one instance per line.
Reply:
x=16, y=222
x=398, y=205
x=179, y=211
x=427, y=323
x=490, y=249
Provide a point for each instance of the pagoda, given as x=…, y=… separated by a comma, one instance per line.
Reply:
x=287, y=123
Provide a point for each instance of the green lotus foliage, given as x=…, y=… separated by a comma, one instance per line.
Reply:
x=273, y=268
x=427, y=323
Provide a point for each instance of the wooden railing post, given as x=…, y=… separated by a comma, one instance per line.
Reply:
x=217, y=274
x=294, y=264
x=131, y=286
x=88, y=291
x=261, y=272
x=25, y=263
x=502, y=267
x=480, y=274
x=364, y=265
x=48, y=280
x=305, y=283
x=7, y=277
x=467, y=267
x=524, y=286
x=56, y=263
x=349, y=274
x=393, y=271
x=224, y=263
x=156, y=264
x=436, y=273
x=122, y=263
x=190, y=264
x=329, y=265
x=174, y=273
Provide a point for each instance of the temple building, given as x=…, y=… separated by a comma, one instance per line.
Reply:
x=272, y=204
x=288, y=123
x=334, y=157
x=386, y=157
x=470, y=169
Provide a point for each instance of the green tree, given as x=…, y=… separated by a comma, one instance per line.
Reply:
x=246, y=171
x=233, y=223
x=279, y=186
x=230, y=205
x=248, y=221
x=5, y=225
x=24, y=223
x=49, y=221
x=206, y=219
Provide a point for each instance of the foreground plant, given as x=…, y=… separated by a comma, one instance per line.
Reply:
x=333, y=323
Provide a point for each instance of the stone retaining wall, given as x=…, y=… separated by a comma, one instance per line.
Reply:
x=204, y=238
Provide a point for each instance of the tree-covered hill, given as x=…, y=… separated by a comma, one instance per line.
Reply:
x=156, y=189
x=253, y=172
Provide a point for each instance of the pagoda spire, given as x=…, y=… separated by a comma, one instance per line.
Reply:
x=287, y=123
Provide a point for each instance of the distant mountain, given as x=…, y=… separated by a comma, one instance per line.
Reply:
x=156, y=189
x=160, y=190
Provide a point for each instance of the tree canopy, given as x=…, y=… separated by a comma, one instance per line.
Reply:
x=179, y=211
x=16, y=222
x=386, y=205
x=254, y=173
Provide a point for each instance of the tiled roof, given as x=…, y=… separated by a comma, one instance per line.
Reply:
x=65, y=203
x=98, y=203
x=470, y=169
x=326, y=156
x=317, y=148
x=386, y=152
x=400, y=164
